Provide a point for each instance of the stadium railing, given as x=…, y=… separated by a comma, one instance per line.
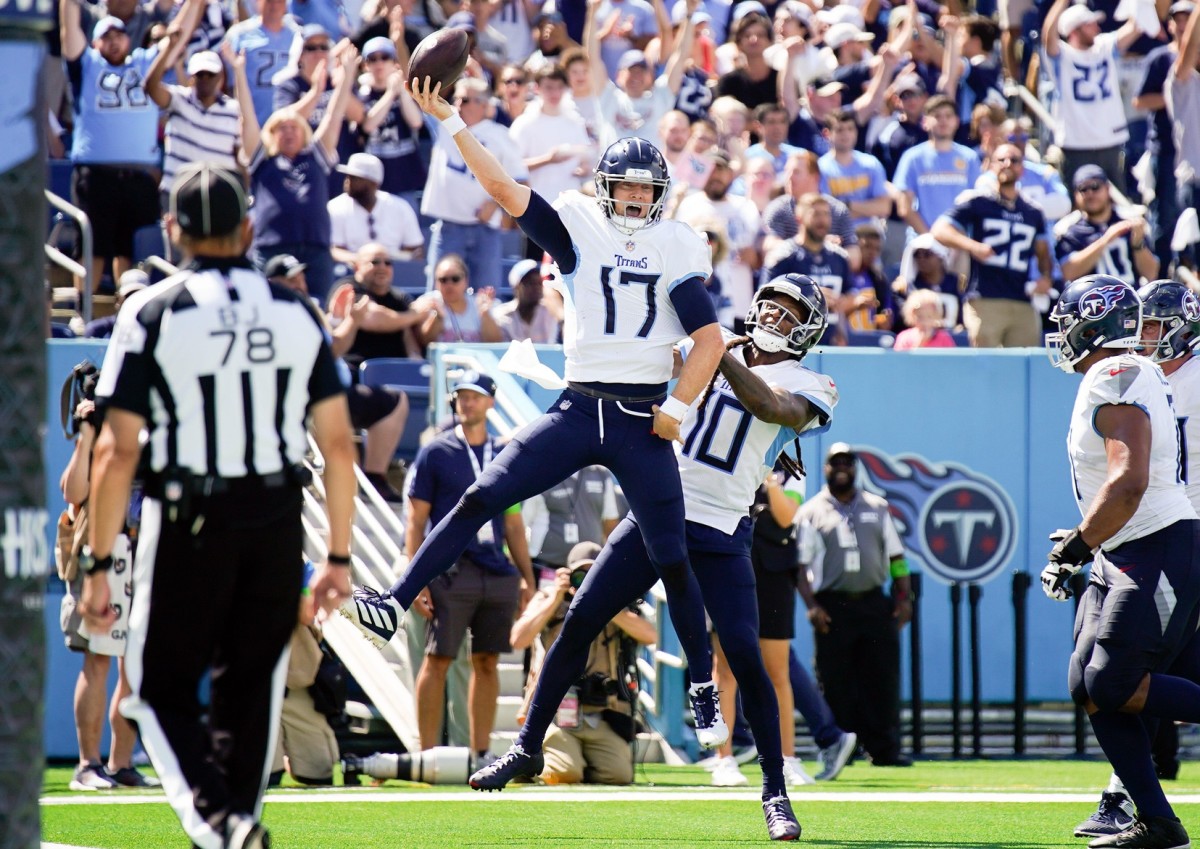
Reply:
x=83, y=268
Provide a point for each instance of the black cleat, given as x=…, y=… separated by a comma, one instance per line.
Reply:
x=512, y=764
x=1147, y=833
x=781, y=822
x=351, y=770
x=242, y=832
x=1113, y=815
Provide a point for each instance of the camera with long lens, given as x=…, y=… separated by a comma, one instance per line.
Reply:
x=80, y=385
x=595, y=689
x=577, y=576
x=439, y=765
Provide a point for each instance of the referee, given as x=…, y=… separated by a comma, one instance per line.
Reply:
x=222, y=368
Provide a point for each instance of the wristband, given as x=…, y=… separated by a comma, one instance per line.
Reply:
x=674, y=408
x=337, y=559
x=454, y=124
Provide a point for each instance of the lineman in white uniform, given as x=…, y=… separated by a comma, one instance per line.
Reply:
x=1139, y=611
x=761, y=401
x=1170, y=330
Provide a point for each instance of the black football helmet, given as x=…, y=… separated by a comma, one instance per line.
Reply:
x=806, y=328
x=1096, y=311
x=1177, y=309
x=632, y=160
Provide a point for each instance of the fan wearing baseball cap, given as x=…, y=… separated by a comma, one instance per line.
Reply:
x=1090, y=113
x=525, y=316
x=201, y=119
x=365, y=213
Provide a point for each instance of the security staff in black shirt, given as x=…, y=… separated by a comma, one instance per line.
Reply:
x=222, y=369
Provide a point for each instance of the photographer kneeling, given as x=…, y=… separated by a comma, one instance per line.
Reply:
x=589, y=741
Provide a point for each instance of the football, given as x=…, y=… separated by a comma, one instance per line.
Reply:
x=441, y=56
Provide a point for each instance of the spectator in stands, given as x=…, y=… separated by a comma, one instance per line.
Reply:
x=674, y=129
x=308, y=87
x=871, y=307
x=732, y=120
x=636, y=102
x=581, y=509
x=1183, y=106
x=286, y=270
x=925, y=266
x=998, y=312
x=906, y=129
x=810, y=253
x=925, y=52
x=1040, y=183
x=695, y=92
x=802, y=177
x=1011, y=20
x=456, y=312
x=485, y=589
x=808, y=116
x=691, y=167
x=971, y=73
x=330, y=15
x=1097, y=239
x=853, y=177
x=213, y=23
x=771, y=124
x=753, y=81
x=621, y=26
x=365, y=213
x=931, y=175
x=758, y=184
x=739, y=225
x=588, y=743
x=289, y=175
x=923, y=315
x=266, y=40
x=467, y=221
x=133, y=280
x=849, y=46
x=390, y=327
x=514, y=94
x=203, y=124
x=492, y=47
x=525, y=317
x=795, y=45
x=1091, y=126
x=138, y=16
x=579, y=78
x=115, y=143
x=393, y=120
x=553, y=42
x=551, y=139
x=984, y=135
x=849, y=542
x=1160, y=141
x=514, y=21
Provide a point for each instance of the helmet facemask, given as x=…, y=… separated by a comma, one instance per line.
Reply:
x=630, y=224
x=766, y=315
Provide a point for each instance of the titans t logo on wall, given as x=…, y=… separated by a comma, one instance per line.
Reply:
x=958, y=524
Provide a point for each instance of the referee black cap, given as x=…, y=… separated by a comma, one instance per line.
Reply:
x=207, y=201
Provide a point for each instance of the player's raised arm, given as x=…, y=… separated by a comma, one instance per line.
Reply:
x=511, y=195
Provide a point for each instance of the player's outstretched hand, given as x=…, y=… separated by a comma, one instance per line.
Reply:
x=429, y=98
x=665, y=426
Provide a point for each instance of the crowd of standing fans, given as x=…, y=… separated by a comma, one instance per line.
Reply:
x=797, y=133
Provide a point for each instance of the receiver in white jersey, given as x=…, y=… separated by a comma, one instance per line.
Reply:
x=1185, y=399
x=1134, y=380
x=1090, y=113
x=620, y=323
x=725, y=457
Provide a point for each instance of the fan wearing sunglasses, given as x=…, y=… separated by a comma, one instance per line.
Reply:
x=1099, y=239
x=457, y=313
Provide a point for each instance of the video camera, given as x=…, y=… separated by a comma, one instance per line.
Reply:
x=80, y=385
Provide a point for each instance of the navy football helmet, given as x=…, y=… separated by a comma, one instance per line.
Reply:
x=806, y=328
x=1096, y=311
x=1177, y=309
x=632, y=160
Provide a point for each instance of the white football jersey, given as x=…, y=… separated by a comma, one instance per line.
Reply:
x=726, y=457
x=1185, y=392
x=620, y=323
x=1089, y=107
x=1135, y=380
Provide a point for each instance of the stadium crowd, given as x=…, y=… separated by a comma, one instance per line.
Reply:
x=826, y=139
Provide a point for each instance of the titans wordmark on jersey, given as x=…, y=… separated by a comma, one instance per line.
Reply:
x=726, y=455
x=1134, y=380
x=621, y=324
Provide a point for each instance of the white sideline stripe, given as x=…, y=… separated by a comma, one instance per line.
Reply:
x=61, y=846
x=689, y=795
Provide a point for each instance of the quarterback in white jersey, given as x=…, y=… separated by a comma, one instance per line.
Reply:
x=1138, y=614
x=636, y=286
x=623, y=330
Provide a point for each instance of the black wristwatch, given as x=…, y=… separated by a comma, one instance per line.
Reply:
x=89, y=563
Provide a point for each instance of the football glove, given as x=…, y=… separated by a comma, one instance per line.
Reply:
x=1068, y=556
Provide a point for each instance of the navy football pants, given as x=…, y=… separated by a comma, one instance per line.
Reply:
x=623, y=573
x=563, y=441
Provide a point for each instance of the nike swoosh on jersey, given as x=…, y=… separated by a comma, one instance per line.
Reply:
x=1113, y=372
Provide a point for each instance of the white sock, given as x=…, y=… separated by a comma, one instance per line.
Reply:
x=1115, y=785
x=695, y=688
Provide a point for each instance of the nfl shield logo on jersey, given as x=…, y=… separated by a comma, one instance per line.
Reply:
x=630, y=246
x=960, y=524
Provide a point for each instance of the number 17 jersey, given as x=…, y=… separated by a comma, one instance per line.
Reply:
x=620, y=322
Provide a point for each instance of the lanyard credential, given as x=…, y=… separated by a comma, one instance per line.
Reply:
x=485, y=534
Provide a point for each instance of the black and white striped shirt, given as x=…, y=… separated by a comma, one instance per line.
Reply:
x=223, y=366
x=198, y=134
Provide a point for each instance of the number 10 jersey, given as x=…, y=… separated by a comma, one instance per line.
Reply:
x=620, y=321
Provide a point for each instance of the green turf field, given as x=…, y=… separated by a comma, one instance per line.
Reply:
x=867, y=807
